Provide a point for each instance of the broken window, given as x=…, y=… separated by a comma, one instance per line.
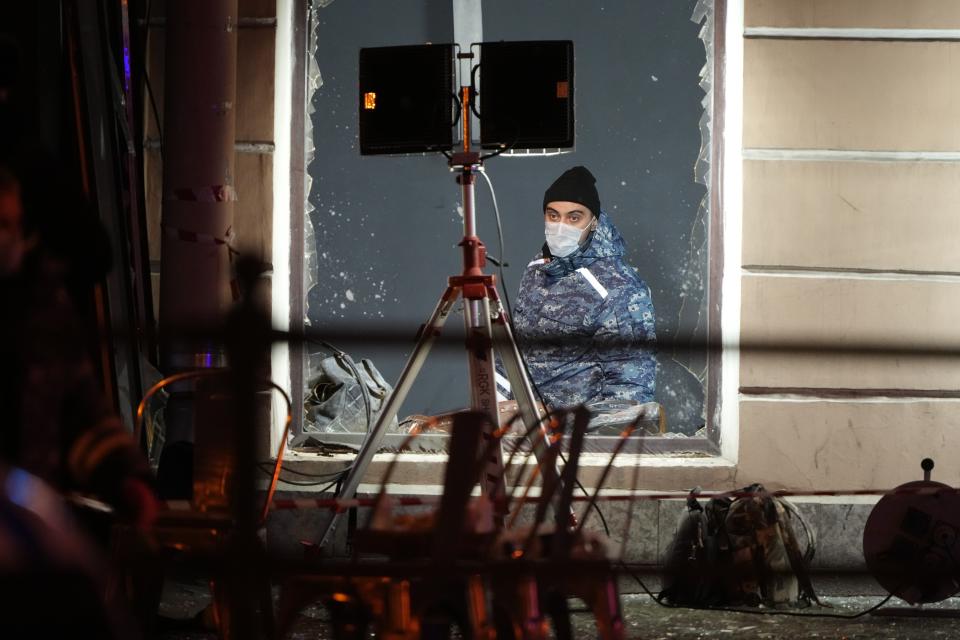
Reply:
x=380, y=232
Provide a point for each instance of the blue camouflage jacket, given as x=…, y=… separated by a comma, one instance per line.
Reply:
x=581, y=323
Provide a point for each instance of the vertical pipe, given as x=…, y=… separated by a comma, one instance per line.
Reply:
x=198, y=185
x=467, y=194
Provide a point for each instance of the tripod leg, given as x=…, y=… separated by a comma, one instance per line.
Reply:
x=410, y=370
x=509, y=354
x=522, y=390
x=516, y=374
x=483, y=395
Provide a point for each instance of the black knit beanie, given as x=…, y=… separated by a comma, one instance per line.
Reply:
x=575, y=185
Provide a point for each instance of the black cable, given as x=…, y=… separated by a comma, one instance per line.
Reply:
x=473, y=108
x=310, y=484
x=502, y=262
x=473, y=91
x=459, y=108
x=499, y=151
x=642, y=584
x=328, y=480
x=596, y=507
x=332, y=485
x=268, y=468
x=325, y=489
x=153, y=109
x=765, y=612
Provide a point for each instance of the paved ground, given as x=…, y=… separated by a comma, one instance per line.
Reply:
x=648, y=620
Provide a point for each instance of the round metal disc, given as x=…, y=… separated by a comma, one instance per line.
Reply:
x=911, y=542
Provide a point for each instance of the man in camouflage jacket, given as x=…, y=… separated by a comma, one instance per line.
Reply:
x=584, y=319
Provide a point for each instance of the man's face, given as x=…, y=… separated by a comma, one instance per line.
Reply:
x=571, y=213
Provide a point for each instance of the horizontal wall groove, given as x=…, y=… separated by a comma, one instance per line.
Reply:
x=849, y=155
x=160, y=22
x=851, y=33
x=832, y=273
x=240, y=146
x=835, y=394
x=265, y=274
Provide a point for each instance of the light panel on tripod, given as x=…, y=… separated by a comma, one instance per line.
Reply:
x=526, y=94
x=406, y=102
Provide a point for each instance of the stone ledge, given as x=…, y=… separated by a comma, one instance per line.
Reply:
x=838, y=526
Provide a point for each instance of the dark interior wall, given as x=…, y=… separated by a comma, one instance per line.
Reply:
x=33, y=31
x=387, y=227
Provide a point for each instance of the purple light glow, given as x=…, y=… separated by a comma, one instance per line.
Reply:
x=126, y=68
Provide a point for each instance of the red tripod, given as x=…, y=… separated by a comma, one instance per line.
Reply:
x=488, y=330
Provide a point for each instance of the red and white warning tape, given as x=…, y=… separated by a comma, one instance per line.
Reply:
x=196, y=237
x=185, y=235
x=293, y=504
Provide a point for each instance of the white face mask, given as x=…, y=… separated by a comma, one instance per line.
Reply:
x=12, y=248
x=562, y=239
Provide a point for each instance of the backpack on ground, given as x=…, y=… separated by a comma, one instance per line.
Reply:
x=739, y=550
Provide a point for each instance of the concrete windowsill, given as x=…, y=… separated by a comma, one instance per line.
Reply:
x=415, y=471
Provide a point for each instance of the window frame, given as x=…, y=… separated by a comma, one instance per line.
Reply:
x=721, y=412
